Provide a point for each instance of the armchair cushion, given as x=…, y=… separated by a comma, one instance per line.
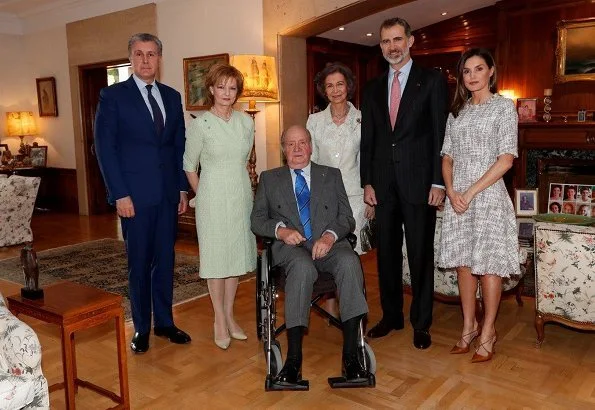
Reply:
x=22, y=384
x=17, y=199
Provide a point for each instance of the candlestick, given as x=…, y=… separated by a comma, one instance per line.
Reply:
x=547, y=92
x=547, y=101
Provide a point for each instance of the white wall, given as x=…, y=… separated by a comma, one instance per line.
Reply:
x=190, y=28
x=187, y=28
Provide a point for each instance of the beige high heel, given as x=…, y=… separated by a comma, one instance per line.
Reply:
x=221, y=343
x=239, y=335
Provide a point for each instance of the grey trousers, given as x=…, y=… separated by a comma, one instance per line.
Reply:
x=302, y=272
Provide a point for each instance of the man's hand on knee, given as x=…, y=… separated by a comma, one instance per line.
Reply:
x=323, y=245
x=290, y=236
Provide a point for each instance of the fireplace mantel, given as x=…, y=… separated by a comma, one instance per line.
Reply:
x=551, y=136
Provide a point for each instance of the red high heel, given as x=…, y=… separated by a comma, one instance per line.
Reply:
x=465, y=349
x=477, y=358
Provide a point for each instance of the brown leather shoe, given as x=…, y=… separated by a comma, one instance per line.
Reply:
x=478, y=358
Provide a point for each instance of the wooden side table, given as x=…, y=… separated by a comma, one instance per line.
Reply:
x=76, y=307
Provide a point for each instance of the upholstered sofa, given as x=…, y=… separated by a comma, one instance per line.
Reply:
x=17, y=199
x=22, y=384
x=564, y=276
x=446, y=286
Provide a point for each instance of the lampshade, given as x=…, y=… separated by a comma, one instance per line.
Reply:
x=20, y=123
x=260, y=77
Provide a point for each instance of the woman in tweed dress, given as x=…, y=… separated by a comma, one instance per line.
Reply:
x=479, y=233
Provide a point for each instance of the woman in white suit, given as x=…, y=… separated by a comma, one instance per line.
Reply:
x=336, y=135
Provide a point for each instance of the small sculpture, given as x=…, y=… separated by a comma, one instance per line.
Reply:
x=31, y=273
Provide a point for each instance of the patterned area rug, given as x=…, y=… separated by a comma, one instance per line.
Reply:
x=103, y=264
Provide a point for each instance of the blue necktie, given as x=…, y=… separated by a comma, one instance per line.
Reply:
x=302, y=194
x=157, y=114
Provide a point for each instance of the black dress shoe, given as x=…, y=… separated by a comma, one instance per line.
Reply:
x=382, y=329
x=291, y=373
x=422, y=339
x=174, y=334
x=353, y=371
x=140, y=342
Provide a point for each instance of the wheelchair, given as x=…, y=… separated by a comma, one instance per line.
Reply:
x=270, y=281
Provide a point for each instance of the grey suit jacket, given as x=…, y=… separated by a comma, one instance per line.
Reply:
x=329, y=206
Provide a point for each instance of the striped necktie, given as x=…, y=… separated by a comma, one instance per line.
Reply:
x=302, y=194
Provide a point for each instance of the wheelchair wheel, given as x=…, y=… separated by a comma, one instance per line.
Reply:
x=276, y=358
x=370, y=358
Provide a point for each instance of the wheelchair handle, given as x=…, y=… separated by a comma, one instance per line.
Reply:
x=351, y=238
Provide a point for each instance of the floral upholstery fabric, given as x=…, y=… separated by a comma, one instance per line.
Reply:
x=17, y=199
x=22, y=384
x=565, y=271
x=445, y=280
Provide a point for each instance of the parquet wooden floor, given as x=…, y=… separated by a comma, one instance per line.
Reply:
x=560, y=375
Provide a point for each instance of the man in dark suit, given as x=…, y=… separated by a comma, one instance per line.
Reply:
x=404, y=115
x=305, y=207
x=139, y=140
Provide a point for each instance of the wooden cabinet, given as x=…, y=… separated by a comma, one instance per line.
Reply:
x=551, y=136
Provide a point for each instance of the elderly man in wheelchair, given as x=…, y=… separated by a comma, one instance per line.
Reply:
x=304, y=207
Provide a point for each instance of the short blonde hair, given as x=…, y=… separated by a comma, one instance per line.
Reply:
x=223, y=71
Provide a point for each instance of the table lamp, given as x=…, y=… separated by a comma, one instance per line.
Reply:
x=260, y=85
x=20, y=124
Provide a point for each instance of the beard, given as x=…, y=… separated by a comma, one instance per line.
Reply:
x=398, y=59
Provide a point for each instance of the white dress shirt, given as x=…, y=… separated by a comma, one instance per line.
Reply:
x=142, y=86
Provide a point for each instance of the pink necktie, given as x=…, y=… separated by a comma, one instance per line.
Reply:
x=395, y=99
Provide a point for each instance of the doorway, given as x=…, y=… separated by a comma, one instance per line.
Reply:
x=92, y=79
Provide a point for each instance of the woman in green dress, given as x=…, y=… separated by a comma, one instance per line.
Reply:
x=220, y=140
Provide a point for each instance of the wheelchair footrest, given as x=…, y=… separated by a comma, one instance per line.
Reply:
x=271, y=385
x=343, y=383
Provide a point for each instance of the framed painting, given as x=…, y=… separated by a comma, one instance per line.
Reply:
x=575, y=52
x=39, y=156
x=47, y=100
x=195, y=74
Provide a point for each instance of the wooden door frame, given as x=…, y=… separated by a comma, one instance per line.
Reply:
x=85, y=112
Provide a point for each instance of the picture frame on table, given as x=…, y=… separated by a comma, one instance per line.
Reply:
x=525, y=227
x=527, y=109
x=526, y=202
x=39, y=156
x=47, y=99
x=195, y=74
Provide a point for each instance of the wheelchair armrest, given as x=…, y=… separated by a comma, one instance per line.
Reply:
x=352, y=239
x=268, y=242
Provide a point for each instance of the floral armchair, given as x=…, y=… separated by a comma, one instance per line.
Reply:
x=17, y=199
x=22, y=384
x=446, y=285
x=564, y=276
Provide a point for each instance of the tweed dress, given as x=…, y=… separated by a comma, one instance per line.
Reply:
x=484, y=238
x=227, y=246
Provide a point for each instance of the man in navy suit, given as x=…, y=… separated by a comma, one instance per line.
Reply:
x=139, y=140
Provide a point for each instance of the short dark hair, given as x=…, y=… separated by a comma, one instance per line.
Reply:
x=396, y=21
x=333, y=68
x=144, y=38
x=223, y=71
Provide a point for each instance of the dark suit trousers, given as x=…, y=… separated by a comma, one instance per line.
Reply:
x=302, y=272
x=419, y=220
x=150, y=237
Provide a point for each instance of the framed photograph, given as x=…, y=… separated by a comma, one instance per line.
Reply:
x=526, y=202
x=582, y=116
x=575, y=50
x=195, y=73
x=39, y=156
x=564, y=184
x=527, y=109
x=525, y=227
x=46, y=97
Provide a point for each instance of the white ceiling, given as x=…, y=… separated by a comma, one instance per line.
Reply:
x=419, y=13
